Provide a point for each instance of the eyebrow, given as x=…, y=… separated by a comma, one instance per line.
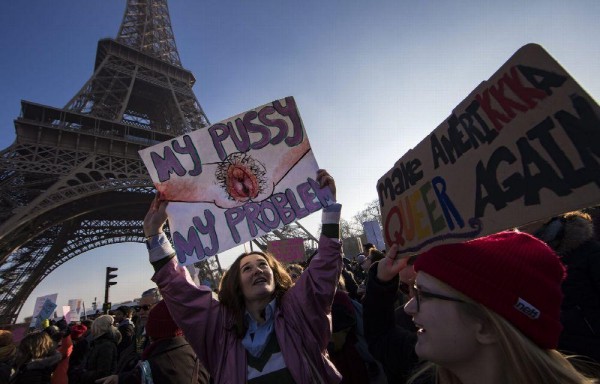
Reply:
x=250, y=262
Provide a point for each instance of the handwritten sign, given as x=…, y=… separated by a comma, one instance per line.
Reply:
x=236, y=180
x=288, y=250
x=523, y=146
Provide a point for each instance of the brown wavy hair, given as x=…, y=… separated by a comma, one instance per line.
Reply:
x=34, y=346
x=230, y=290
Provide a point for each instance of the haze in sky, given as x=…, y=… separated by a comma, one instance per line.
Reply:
x=371, y=80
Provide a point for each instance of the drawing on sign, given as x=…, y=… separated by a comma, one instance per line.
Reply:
x=236, y=180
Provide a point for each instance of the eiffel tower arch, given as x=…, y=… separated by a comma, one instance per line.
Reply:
x=73, y=181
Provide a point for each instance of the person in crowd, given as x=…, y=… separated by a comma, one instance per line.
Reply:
x=8, y=350
x=149, y=299
x=294, y=270
x=367, y=248
x=349, y=280
x=36, y=359
x=372, y=257
x=169, y=359
x=101, y=360
x=356, y=268
x=125, y=326
x=488, y=311
x=391, y=342
x=81, y=338
x=345, y=336
x=571, y=235
x=263, y=328
x=65, y=348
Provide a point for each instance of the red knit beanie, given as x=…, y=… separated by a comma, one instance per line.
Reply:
x=512, y=273
x=160, y=324
x=78, y=330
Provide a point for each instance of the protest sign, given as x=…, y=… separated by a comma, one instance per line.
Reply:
x=68, y=314
x=76, y=306
x=523, y=146
x=373, y=233
x=39, y=304
x=236, y=180
x=47, y=310
x=288, y=250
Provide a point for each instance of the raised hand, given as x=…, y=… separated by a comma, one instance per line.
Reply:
x=326, y=180
x=391, y=264
x=156, y=217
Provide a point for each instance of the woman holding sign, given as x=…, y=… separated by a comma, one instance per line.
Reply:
x=263, y=328
x=488, y=311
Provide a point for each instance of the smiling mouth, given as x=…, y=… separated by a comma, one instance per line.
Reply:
x=420, y=329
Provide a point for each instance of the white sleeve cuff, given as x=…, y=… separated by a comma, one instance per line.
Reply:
x=160, y=248
x=331, y=214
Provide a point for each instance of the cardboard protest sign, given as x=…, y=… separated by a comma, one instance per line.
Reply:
x=236, y=180
x=288, y=250
x=523, y=146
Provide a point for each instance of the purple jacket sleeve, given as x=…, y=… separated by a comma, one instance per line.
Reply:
x=195, y=311
x=312, y=295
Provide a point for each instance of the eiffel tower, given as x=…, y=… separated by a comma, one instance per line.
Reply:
x=73, y=181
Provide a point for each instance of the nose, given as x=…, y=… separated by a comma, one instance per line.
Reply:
x=411, y=307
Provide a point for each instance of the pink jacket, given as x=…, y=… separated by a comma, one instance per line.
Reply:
x=302, y=321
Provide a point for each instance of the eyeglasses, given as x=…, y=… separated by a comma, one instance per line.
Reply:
x=145, y=307
x=420, y=295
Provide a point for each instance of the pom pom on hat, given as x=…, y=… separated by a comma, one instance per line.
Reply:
x=160, y=324
x=512, y=273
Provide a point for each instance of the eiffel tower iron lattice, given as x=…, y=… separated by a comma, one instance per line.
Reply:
x=72, y=181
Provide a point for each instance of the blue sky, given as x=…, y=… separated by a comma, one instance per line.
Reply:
x=371, y=79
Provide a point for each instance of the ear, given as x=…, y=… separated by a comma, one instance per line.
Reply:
x=485, y=333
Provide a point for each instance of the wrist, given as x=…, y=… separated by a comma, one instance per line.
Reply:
x=152, y=234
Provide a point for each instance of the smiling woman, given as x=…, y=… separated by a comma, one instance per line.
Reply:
x=263, y=328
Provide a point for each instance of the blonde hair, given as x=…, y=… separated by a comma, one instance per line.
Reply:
x=34, y=346
x=524, y=361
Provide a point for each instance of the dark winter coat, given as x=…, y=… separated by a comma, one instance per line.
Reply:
x=77, y=360
x=38, y=371
x=5, y=371
x=573, y=240
x=127, y=330
x=101, y=360
x=171, y=360
x=392, y=345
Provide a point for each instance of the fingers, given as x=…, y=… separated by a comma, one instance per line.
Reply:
x=392, y=253
x=326, y=180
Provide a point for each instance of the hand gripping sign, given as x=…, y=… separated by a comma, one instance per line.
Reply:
x=523, y=146
x=236, y=180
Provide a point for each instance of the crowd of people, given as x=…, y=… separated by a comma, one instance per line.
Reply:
x=519, y=306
